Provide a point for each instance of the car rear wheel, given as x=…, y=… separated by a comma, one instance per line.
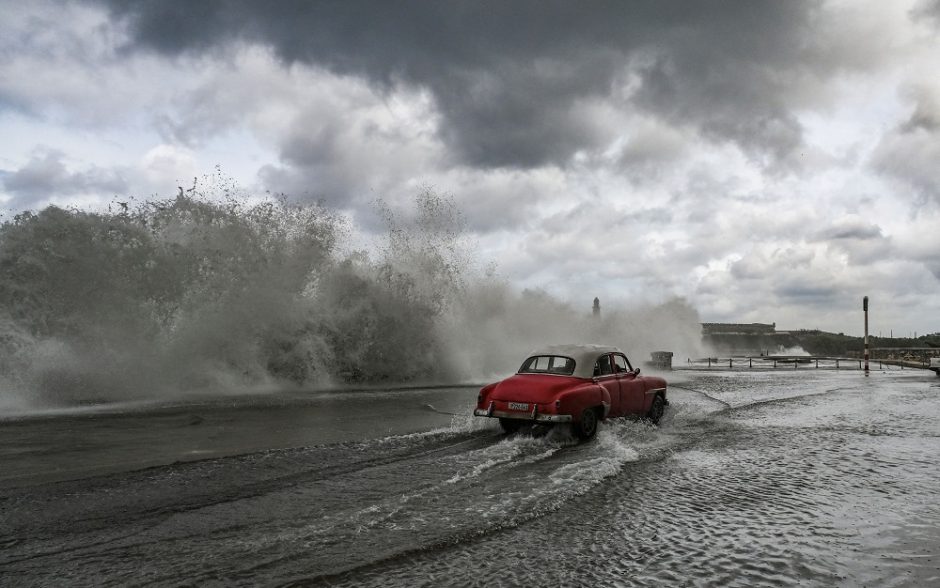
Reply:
x=656, y=410
x=510, y=425
x=587, y=426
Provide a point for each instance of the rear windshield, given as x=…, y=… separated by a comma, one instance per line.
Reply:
x=548, y=364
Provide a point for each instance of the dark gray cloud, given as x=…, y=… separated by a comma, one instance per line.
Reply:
x=856, y=229
x=927, y=9
x=508, y=76
x=45, y=176
x=909, y=153
x=817, y=294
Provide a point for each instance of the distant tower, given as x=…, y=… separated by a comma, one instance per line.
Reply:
x=597, y=307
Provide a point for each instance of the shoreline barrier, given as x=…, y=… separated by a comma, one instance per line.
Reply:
x=797, y=362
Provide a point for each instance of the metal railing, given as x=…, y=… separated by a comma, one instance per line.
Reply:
x=796, y=362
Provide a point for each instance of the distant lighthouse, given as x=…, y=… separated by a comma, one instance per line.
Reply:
x=597, y=307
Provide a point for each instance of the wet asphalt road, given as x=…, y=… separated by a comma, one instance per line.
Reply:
x=814, y=478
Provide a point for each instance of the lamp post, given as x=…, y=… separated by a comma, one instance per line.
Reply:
x=865, y=308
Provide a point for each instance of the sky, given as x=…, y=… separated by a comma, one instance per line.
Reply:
x=765, y=161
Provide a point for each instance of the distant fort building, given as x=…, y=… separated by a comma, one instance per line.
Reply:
x=745, y=338
x=738, y=329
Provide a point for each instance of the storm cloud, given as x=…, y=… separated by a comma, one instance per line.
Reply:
x=46, y=174
x=911, y=151
x=515, y=81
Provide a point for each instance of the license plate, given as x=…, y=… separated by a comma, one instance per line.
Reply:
x=518, y=406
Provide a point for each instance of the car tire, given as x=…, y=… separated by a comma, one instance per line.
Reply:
x=656, y=410
x=587, y=426
x=510, y=425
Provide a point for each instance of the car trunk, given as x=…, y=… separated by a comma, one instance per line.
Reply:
x=534, y=388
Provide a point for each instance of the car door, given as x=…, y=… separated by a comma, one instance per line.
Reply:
x=632, y=391
x=605, y=376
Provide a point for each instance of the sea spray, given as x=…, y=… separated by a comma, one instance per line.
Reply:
x=176, y=295
x=213, y=293
x=493, y=326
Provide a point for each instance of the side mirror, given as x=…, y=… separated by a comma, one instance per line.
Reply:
x=636, y=371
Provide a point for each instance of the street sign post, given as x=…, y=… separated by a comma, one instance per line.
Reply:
x=865, y=308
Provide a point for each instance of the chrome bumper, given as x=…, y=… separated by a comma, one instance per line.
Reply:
x=522, y=416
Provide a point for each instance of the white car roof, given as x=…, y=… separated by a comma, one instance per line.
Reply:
x=584, y=356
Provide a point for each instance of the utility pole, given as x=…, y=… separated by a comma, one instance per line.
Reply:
x=865, y=308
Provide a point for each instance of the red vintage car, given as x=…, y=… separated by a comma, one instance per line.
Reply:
x=577, y=384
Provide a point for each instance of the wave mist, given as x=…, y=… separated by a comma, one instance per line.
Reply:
x=203, y=294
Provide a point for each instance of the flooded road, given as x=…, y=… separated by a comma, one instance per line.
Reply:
x=816, y=478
